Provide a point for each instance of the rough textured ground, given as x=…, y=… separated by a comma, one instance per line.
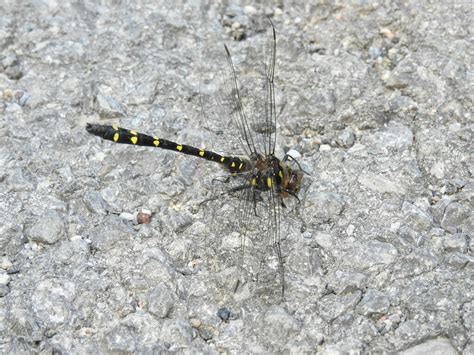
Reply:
x=377, y=96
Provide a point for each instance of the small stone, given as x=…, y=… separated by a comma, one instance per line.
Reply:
x=438, y=346
x=47, y=229
x=14, y=72
x=373, y=253
x=225, y=314
x=121, y=339
x=4, y=290
x=373, y=302
x=459, y=260
x=387, y=33
x=127, y=216
x=375, y=52
x=328, y=204
x=161, y=301
x=52, y=301
x=347, y=281
x=7, y=94
x=108, y=107
x=455, y=215
x=207, y=332
x=452, y=70
x=381, y=184
x=4, y=278
x=250, y=10
x=415, y=217
x=346, y=138
x=176, y=331
x=438, y=169
x=143, y=218
x=21, y=97
x=195, y=323
x=408, y=329
x=95, y=203
x=324, y=148
x=6, y=264
x=350, y=229
x=393, y=82
x=456, y=242
x=279, y=325
x=394, y=136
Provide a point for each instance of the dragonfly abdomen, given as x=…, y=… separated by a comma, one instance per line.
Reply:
x=125, y=136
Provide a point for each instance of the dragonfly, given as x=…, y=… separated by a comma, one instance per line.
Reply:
x=261, y=175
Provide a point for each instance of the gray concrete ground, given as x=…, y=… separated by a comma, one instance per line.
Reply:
x=377, y=97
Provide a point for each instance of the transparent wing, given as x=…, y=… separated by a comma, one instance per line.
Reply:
x=238, y=87
x=257, y=91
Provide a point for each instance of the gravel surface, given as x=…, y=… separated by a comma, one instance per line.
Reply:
x=376, y=96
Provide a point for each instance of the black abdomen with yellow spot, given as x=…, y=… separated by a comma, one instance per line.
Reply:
x=125, y=136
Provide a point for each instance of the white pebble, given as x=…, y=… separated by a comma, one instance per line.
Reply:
x=6, y=264
x=4, y=278
x=126, y=216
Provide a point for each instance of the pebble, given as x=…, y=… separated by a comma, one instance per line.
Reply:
x=455, y=215
x=4, y=278
x=121, y=339
x=345, y=138
x=250, y=10
x=347, y=281
x=4, y=290
x=387, y=33
x=6, y=264
x=415, y=217
x=225, y=314
x=279, y=325
x=394, y=136
x=373, y=302
x=161, y=301
x=176, y=331
x=327, y=204
x=456, y=242
x=127, y=216
x=381, y=184
x=373, y=253
x=324, y=148
x=195, y=323
x=375, y=52
x=143, y=217
x=108, y=107
x=95, y=203
x=207, y=332
x=438, y=346
x=459, y=260
x=47, y=229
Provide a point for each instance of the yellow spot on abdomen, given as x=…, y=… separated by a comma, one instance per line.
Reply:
x=201, y=152
x=232, y=165
x=280, y=174
x=156, y=141
x=179, y=147
x=133, y=132
x=269, y=182
x=241, y=166
x=116, y=137
x=222, y=159
x=134, y=140
x=115, y=127
x=253, y=182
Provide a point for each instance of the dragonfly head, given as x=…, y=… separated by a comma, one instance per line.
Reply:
x=292, y=174
x=293, y=183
